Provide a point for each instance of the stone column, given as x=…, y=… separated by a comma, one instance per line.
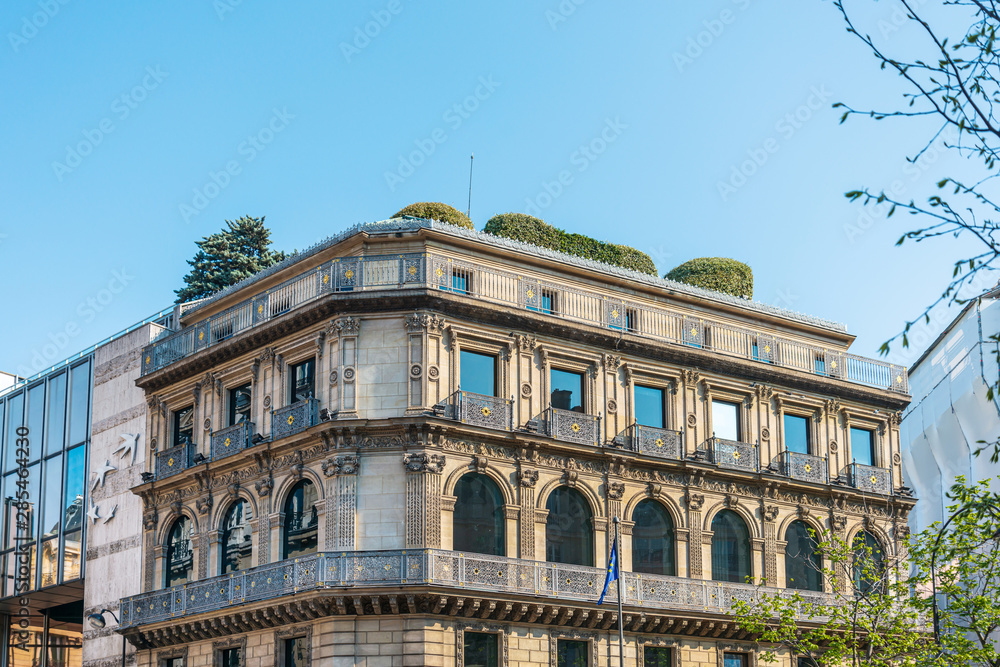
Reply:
x=423, y=499
x=342, y=502
x=527, y=479
x=695, y=501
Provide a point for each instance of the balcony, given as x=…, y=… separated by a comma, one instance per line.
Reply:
x=359, y=570
x=478, y=410
x=172, y=461
x=231, y=440
x=870, y=479
x=804, y=467
x=658, y=442
x=294, y=418
x=466, y=280
x=572, y=426
x=732, y=454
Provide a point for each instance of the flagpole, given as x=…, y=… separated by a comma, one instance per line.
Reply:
x=621, y=576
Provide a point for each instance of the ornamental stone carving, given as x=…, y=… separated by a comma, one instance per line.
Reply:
x=527, y=478
x=203, y=506
x=340, y=465
x=770, y=513
x=264, y=486
x=433, y=372
x=149, y=520
x=616, y=490
x=421, y=462
x=345, y=326
x=695, y=501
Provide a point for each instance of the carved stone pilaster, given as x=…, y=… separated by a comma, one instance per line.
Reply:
x=423, y=500
x=527, y=479
x=343, y=371
x=695, y=501
x=770, y=513
x=342, y=509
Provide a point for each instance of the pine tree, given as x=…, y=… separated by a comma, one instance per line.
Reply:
x=237, y=252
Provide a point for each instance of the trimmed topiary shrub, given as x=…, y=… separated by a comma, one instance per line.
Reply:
x=528, y=229
x=435, y=210
x=720, y=274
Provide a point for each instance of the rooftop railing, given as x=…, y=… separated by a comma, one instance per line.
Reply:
x=518, y=290
x=420, y=567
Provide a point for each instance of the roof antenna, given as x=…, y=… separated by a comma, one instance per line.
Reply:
x=468, y=211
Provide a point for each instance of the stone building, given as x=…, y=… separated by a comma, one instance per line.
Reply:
x=405, y=446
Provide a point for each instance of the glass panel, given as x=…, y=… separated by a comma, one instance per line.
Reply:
x=656, y=656
x=79, y=419
x=49, y=555
x=33, y=503
x=303, y=381
x=55, y=424
x=229, y=657
x=478, y=373
x=571, y=653
x=481, y=649
x=725, y=420
x=237, y=545
x=478, y=518
x=65, y=638
x=730, y=548
x=9, y=508
x=569, y=536
x=653, y=539
x=796, y=434
x=862, y=450
x=184, y=426
x=869, y=562
x=51, y=508
x=734, y=660
x=239, y=404
x=649, y=402
x=178, y=568
x=802, y=562
x=72, y=556
x=35, y=418
x=76, y=477
x=3, y=409
x=297, y=652
x=567, y=390
x=173, y=662
x=15, y=414
x=24, y=645
x=301, y=521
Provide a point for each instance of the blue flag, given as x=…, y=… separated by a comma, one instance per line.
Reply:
x=612, y=571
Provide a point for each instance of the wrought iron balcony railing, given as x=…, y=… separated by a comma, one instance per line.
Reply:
x=294, y=418
x=231, y=440
x=659, y=442
x=174, y=460
x=805, y=467
x=421, y=567
x=870, y=479
x=573, y=426
x=733, y=454
x=480, y=410
x=470, y=280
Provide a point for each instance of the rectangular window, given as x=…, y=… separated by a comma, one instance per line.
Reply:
x=796, y=434
x=649, y=406
x=51, y=509
x=295, y=652
x=303, y=381
x=15, y=419
x=79, y=401
x=805, y=661
x=239, y=404
x=479, y=373
x=656, y=656
x=481, y=649
x=631, y=319
x=184, y=426
x=567, y=390
x=549, y=304
x=172, y=662
x=55, y=423
x=734, y=660
x=230, y=657
x=820, y=365
x=35, y=418
x=726, y=420
x=863, y=446
x=461, y=281
x=571, y=653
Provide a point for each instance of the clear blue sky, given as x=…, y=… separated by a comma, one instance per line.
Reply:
x=151, y=99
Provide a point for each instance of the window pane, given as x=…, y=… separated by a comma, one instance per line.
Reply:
x=567, y=390
x=301, y=521
x=55, y=424
x=303, y=381
x=571, y=653
x=861, y=447
x=478, y=519
x=297, y=652
x=75, y=478
x=239, y=404
x=481, y=649
x=65, y=636
x=653, y=539
x=478, y=373
x=802, y=563
x=725, y=420
x=229, y=657
x=649, y=402
x=15, y=414
x=49, y=555
x=35, y=418
x=25, y=650
x=178, y=567
x=72, y=556
x=184, y=426
x=79, y=419
x=734, y=660
x=730, y=548
x=569, y=534
x=51, y=507
x=656, y=656
x=869, y=562
x=796, y=434
x=237, y=545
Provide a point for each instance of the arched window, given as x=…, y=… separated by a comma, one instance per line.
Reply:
x=479, y=519
x=730, y=548
x=236, y=544
x=179, y=567
x=802, y=560
x=301, y=521
x=653, y=539
x=569, y=536
x=869, y=562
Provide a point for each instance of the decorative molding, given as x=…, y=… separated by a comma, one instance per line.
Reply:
x=423, y=462
x=341, y=465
